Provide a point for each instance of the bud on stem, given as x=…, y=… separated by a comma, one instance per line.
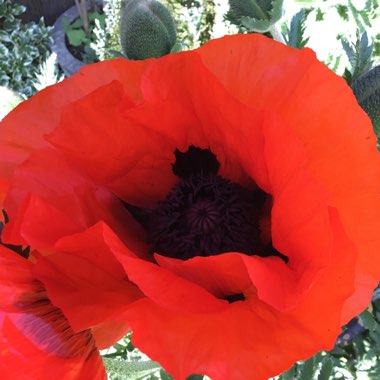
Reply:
x=147, y=29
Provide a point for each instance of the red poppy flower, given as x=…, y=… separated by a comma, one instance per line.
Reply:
x=222, y=202
x=36, y=340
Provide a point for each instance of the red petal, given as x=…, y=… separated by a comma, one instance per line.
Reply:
x=249, y=339
x=23, y=130
x=24, y=358
x=35, y=338
x=168, y=290
x=138, y=169
x=66, y=198
x=321, y=111
x=86, y=294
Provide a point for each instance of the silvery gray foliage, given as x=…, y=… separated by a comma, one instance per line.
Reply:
x=359, y=55
x=295, y=33
x=23, y=47
x=256, y=15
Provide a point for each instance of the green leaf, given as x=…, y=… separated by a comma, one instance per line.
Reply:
x=65, y=24
x=94, y=15
x=4, y=36
x=367, y=93
x=295, y=35
x=76, y=37
x=177, y=47
x=368, y=320
x=319, y=15
x=78, y=23
x=117, y=54
x=119, y=347
x=326, y=369
x=290, y=374
x=359, y=55
x=256, y=15
x=342, y=11
x=164, y=375
x=307, y=369
x=355, y=14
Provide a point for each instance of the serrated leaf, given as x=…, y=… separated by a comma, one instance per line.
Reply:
x=359, y=55
x=256, y=15
x=350, y=52
x=295, y=35
x=355, y=14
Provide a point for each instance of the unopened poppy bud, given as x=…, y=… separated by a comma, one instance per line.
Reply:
x=256, y=16
x=147, y=29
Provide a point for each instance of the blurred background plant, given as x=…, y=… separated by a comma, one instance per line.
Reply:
x=80, y=32
x=107, y=40
x=23, y=47
x=47, y=73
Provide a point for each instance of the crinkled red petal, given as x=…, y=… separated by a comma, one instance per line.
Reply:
x=36, y=340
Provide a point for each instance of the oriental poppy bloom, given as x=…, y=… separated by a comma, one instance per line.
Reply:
x=223, y=203
x=36, y=340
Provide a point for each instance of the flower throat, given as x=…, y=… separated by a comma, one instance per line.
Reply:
x=204, y=214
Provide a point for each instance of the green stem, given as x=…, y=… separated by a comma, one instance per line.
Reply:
x=276, y=34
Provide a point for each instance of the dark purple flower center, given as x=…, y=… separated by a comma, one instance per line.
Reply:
x=204, y=214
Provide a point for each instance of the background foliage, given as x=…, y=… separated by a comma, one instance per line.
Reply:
x=23, y=47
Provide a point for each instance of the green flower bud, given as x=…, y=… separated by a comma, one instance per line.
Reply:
x=256, y=15
x=147, y=29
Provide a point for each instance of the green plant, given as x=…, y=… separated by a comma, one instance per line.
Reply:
x=80, y=34
x=22, y=48
x=47, y=73
x=107, y=35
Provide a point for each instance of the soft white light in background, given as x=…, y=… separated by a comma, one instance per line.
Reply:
x=323, y=34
